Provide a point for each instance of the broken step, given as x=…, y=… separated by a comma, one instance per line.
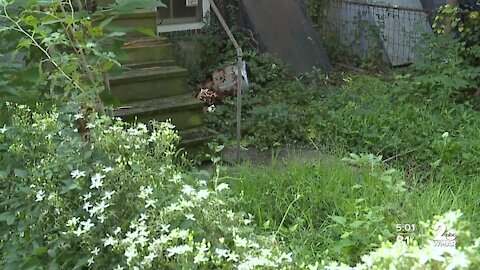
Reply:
x=149, y=83
x=185, y=111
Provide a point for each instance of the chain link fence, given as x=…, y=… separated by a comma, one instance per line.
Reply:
x=374, y=32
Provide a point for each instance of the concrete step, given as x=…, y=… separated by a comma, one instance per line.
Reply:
x=149, y=83
x=196, y=136
x=185, y=111
x=195, y=142
x=151, y=64
x=147, y=52
x=132, y=22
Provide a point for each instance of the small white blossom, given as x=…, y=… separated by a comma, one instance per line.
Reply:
x=3, y=129
x=107, y=169
x=90, y=126
x=190, y=217
x=187, y=189
x=90, y=261
x=73, y=221
x=222, y=186
x=117, y=231
x=78, y=116
x=97, y=181
x=110, y=241
x=202, y=194
x=165, y=227
x=87, y=225
x=108, y=195
x=150, y=203
x=87, y=196
x=145, y=192
x=77, y=174
x=178, y=250
x=221, y=253
x=130, y=253
x=40, y=195
x=95, y=251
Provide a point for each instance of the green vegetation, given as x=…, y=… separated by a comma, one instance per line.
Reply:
x=81, y=190
x=337, y=210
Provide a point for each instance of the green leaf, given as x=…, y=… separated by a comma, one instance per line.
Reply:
x=146, y=31
x=339, y=219
x=8, y=217
x=20, y=173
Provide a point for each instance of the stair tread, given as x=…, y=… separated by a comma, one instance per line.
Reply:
x=146, y=42
x=160, y=104
x=149, y=72
x=196, y=135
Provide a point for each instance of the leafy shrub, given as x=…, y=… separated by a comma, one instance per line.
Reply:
x=367, y=116
x=423, y=253
x=111, y=196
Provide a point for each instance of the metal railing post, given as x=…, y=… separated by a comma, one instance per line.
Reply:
x=239, y=74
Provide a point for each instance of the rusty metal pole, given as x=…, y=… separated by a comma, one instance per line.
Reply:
x=239, y=75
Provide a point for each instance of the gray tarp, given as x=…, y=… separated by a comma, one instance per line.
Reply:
x=284, y=29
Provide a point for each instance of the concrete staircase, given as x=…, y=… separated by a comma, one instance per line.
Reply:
x=154, y=88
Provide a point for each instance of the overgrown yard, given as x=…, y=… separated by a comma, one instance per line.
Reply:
x=394, y=186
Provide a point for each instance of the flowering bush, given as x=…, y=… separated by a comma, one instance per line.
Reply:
x=87, y=191
x=423, y=253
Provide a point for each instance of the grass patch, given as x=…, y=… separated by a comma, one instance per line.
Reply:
x=332, y=209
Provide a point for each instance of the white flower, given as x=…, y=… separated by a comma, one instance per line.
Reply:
x=165, y=227
x=87, y=225
x=97, y=181
x=202, y=194
x=145, y=192
x=431, y=253
x=107, y=169
x=108, y=195
x=222, y=186
x=90, y=261
x=190, y=217
x=176, y=178
x=221, y=252
x=87, y=196
x=73, y=221
x=90, y=126
x=179, y=250
x=77, y=174
x=117, y=231
x=240, y=242
x=182, y=234
x=78, y=231
x=3, y=130
x=202, y=182
x=199, y=258
x=87, y=206
x=110, y=241
x=130, y=253
x=40, y=195
x=459, y=260
x=187, y=189
x=233, y=257
x=95, y=251
x=211, y=108
x=150, y=203
x=445, y=135
x=78, y=116
x=150, y=257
